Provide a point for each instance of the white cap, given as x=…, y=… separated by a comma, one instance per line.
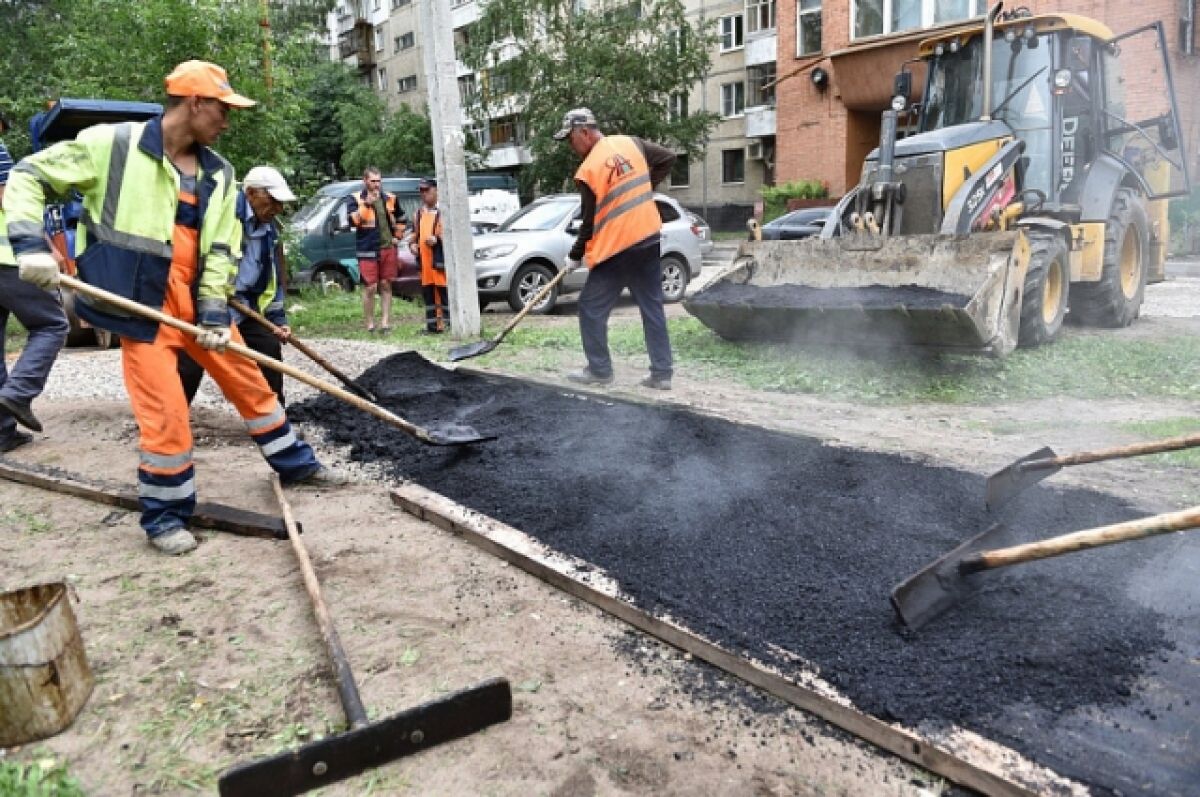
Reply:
x=270, y=179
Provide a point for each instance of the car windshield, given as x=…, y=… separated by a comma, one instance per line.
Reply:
x=315, y=208
x=808, y=216
x=540, y=215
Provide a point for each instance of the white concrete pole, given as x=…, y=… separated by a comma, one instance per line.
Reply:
x=445, y=114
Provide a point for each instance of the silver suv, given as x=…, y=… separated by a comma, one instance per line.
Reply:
x=530, y=247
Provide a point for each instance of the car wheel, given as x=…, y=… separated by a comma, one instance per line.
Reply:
x=530, y=279
x=331, y=279
x=674, y=278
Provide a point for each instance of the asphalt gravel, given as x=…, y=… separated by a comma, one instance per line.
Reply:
x=767, y=542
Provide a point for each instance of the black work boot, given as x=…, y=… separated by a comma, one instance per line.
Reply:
x=21, y=413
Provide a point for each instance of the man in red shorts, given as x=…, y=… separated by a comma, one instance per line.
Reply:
x=378, y=221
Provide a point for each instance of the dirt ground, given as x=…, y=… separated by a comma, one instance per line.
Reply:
x=214, y=658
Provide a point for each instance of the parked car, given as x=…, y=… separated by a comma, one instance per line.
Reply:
x=325, y=239
x=802, y=223
x=703, y=232
x=530, y=247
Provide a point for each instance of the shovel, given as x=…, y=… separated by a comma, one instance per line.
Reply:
x=366, y=744
x=484, y=346
x=306, y=350
x=1003, y=485
x=948, y=580
x=448, y=434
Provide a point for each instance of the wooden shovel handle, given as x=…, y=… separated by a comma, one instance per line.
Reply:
x=529, y=305
x=292, y=340
x=270, y=362
x=356, y=713
x=1083, y=540
x=1119, y=452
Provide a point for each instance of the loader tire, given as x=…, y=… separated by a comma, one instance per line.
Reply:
x=1116, y=299
x=1044, y=300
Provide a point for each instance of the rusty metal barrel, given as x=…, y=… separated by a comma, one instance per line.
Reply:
x=44, y=675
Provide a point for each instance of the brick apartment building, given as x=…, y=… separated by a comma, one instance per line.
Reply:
x=837, y=58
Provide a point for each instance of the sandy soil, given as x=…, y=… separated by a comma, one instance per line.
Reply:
x=213, y=659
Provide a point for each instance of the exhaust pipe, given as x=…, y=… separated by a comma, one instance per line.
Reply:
x=989, y=23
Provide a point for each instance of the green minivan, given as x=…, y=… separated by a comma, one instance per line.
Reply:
x=322, y=241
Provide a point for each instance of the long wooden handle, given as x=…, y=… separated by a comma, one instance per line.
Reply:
x=1083, y=540
x=1118, y=452
x=356, y=713
x=262, y=359
x=294, y=341
x=529, y=305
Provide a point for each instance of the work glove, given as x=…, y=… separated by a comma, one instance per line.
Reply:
x=573, y=264
x=38, y=268
x=213, y=338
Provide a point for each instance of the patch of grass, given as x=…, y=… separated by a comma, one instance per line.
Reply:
x=729, y=235
x=42, y=777
x=28, y=522
x=1168, y=427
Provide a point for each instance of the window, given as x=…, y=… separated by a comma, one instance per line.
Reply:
x=505, y=131
x=666, y=211
x=374, y=5
x=681, y=171
x=760, y=15
x=382, y=76
x=808, y=27
x=466, y=89
x=499, y=84
x=873, y=17
x=730, y=33
x=733, y=165
x=479, y=134
x=679, y=107
x=379, y=38
x=405, y=41
x=762, y=84
x=406, y=84
x=733, y=99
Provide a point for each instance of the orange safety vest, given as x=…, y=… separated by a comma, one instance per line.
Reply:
x=617, y=173
x=365, y=215
x=426, y=224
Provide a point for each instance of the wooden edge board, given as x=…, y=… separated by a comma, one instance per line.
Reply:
x=218, y=517
x=474, y=528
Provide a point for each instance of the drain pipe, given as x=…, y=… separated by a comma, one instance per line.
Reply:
x=988, y=30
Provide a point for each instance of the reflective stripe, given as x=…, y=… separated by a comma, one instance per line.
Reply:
x=117, y=159
x=3, y=240
x=164, y=493
x=266, y=422
x=210, y=306
x=25, y=228
x=275, y=446
x=165, y=461
x=621, y=210
x=227, y=173
x=619, y=192
x=273, y=307
x=125, y=240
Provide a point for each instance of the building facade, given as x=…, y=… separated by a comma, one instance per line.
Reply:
x=837, y=59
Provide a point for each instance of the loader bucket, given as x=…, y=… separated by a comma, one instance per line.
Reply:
x=928, y=291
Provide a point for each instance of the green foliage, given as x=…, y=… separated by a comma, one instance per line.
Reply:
x=775, y=198
x=43, y=777
x=394, y=142
x=623, y=60
x=1168, y=427
x=1184, y=216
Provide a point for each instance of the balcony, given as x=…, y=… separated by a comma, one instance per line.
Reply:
x=505, y=156
x=760, y=121
x=760, y=48
x=358, y=43
x=463, y=13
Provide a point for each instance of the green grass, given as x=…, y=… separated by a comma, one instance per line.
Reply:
x=1168, y=427
x=729, y=235
x=42, y=777
x=1085, y=365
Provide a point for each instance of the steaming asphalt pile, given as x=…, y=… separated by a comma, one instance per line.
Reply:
x=870, y=297
x=763, y=541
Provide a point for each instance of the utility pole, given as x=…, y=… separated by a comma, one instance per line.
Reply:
x=445, y=115
x=265, y=23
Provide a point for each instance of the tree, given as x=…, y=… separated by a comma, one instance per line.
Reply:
x=627, y=61
x=399, y=141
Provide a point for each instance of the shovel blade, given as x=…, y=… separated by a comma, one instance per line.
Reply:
x=471, y=350
x=453, y=434
x=346, y=754
x=940, y=585
x=1006, y=484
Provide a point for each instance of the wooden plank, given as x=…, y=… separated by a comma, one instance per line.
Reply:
x=482, y=532
x=218, y=517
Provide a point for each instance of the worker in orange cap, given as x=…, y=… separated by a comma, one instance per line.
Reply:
x=160, y=227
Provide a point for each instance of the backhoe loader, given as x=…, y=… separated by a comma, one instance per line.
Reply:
x=1032, y=185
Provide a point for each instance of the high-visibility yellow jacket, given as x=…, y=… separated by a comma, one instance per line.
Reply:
x=626, y=215
x=130, y=192
x=7, y=258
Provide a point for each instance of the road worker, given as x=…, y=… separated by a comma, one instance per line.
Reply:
x=427, y=246
x=260, y=277
x=619, y=240
x=41, y=313
x=378, y=222
x=160, y=227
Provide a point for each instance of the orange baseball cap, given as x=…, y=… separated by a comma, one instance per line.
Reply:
x=202, y=79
